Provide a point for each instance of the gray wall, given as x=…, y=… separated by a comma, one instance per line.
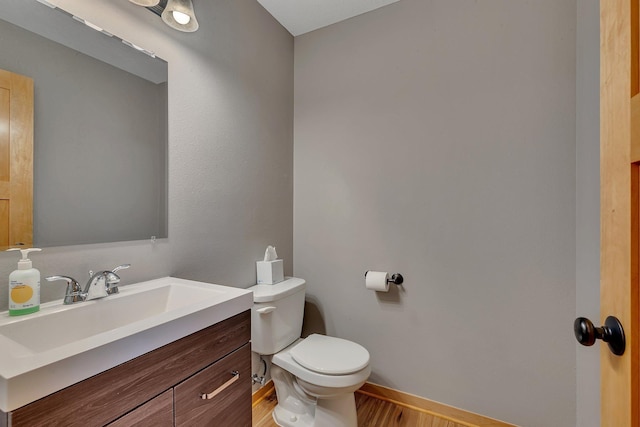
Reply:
x=436, y=138
x=230, y=148
x=104, y=178
x=480, y=113
x=588, y=205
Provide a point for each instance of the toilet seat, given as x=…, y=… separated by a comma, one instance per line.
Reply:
x=284, y=360
x=330, y=355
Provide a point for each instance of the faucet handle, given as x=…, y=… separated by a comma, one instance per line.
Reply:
x=113, y=279
x=121, y=267
x=73, y=293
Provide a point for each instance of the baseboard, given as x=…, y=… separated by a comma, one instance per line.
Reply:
x=261, y=393
x=430, y=407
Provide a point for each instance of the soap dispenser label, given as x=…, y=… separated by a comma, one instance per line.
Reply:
x=23, y=296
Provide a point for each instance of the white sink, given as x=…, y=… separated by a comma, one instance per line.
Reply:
x=58, y=325
x=63, y=344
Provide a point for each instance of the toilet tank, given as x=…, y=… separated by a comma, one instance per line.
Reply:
x=276, y=315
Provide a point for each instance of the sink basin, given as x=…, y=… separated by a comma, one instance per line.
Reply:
x=55, y=328
x=63, y=344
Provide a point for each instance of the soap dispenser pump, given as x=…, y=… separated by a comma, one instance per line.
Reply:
x=24, y=286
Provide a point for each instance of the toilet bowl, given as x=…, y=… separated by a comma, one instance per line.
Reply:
x=324, y=371
x=314, y=377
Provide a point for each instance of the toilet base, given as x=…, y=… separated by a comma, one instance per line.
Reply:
x=336, y=412
x=286, y=418
x=339, y=411
x=297, y=408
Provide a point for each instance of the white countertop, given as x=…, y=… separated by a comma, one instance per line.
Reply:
x=63, y=344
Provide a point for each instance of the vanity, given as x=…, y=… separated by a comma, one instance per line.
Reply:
x=182, y=359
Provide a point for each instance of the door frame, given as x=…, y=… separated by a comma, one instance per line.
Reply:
x=619, y=206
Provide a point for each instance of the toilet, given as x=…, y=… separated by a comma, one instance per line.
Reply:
x=314, y=377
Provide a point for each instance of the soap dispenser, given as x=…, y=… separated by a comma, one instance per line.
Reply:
x=24, y=286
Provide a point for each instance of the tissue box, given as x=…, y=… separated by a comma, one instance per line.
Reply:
x=270, y=272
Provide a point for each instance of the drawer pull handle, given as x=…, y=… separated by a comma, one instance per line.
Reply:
x=214, y=393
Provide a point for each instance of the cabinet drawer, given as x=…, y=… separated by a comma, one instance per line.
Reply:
x=157, y=412
x=231, y=407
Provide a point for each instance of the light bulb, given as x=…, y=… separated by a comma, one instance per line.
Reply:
x=179, y=15
x=181, y=18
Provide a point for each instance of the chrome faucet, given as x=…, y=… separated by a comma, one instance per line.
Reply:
x=73, y=293
x=104, y=283
x=100, y=284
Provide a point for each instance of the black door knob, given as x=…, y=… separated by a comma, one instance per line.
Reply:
x=612, y=333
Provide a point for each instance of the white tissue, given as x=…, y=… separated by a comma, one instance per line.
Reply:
x=377, y=281
x=271, y=270
x=270, y=254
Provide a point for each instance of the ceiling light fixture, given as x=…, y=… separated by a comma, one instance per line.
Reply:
x=179, y=14
x=145, y=3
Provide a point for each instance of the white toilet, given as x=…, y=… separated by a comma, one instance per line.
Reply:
x=314, y=377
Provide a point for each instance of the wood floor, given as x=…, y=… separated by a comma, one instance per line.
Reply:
x=372, y=412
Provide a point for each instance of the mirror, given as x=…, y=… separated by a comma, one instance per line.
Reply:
x=100, y=128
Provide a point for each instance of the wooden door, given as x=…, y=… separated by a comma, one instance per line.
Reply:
x=16, y=159
x=619, y=206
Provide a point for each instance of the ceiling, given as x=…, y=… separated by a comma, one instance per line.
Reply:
x=302, y=16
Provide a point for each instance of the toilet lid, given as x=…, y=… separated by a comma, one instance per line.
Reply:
x=330, y=355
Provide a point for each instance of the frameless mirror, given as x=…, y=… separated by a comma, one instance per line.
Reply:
x=100, y=127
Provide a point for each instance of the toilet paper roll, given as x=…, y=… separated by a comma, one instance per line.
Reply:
x=377, y=281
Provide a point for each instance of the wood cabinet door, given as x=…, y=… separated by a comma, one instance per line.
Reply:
x=157, y=412
x=230, y=407
x=16, y=159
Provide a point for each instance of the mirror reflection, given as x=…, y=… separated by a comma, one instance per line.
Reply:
x=99, y=131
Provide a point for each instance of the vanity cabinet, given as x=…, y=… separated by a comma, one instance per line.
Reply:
x=161, y=388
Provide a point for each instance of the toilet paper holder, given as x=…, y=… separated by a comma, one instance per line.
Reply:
x=396, y=278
